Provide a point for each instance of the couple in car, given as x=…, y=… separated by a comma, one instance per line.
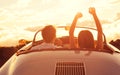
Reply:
x=85, y=37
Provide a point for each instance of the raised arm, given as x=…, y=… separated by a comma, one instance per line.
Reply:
x=99, y=28
x=72, y=28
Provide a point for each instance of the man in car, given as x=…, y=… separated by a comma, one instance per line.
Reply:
x=49, y=37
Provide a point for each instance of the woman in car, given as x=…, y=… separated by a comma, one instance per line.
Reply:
x=87, y=40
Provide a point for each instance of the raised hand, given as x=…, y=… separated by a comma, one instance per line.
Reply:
x=92, y=10
x=72, y=28
x=99, y=28
x=78, y=15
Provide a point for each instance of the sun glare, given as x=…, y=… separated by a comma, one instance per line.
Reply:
x=22, y=14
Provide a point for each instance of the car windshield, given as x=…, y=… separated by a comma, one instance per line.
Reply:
x=62, y=31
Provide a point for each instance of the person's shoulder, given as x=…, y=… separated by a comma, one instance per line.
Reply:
x=35, y=47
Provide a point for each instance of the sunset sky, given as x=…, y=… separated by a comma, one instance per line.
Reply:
x=19, y=17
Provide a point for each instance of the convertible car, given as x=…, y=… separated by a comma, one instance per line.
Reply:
x=66, y=60
x=63, y=61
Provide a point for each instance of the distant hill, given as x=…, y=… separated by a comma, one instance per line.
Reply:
x=7, y=52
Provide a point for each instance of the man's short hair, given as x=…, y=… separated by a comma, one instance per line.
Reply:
x=49, y=33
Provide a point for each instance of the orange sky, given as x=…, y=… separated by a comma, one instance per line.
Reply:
x=18, y=15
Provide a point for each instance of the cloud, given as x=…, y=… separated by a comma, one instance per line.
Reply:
x=4, y=14
x=1, y=29
x=117, y=17
x=33, y=29
x=42, y=5
x=21, y=15
x=13, y=35
x=24, y=11
x=7, y=18
x=115, y=1
x=112, y=30
x=43, y=10
x=20, y=4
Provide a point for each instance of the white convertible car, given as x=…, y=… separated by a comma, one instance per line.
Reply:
x=64, y=61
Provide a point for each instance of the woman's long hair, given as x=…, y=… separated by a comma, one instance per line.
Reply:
x=85, y=39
